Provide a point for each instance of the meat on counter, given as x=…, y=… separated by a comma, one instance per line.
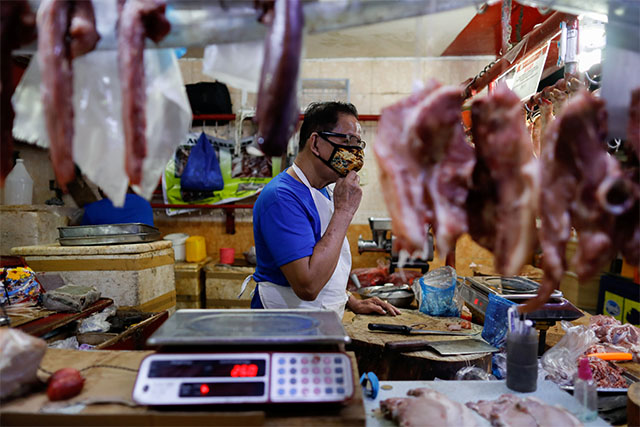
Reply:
x=427, y=408
x=510, y=410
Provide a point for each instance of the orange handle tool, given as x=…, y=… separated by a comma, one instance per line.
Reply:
x=612, y=356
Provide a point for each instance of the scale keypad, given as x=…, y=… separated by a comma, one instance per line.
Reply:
x=310, y=377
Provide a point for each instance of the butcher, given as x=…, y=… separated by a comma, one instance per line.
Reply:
x=300, y=220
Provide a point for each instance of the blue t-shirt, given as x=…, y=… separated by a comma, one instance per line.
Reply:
x=286, y=227
x=135, y=209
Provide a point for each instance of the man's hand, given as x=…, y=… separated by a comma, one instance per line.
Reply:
x=347, y=193
x=371, y=305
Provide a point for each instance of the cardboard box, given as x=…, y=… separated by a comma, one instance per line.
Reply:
x=619, y=297
x=135, y=276
x=584, y=294
x=223, y=284
x=190, y=288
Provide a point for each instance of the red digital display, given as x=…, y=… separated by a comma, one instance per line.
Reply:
x=247, y=370
x=475, y=301
x=204, y=389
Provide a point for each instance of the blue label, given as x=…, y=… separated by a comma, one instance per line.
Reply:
x=612, y=308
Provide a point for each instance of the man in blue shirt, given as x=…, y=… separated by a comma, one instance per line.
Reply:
x=300, y=223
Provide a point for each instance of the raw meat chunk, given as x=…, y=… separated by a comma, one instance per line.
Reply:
x=502, y=203
x=425, y=167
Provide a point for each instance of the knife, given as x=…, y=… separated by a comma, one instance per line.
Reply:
x=408, y=330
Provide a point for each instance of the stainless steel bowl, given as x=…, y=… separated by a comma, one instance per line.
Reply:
x=399, y=296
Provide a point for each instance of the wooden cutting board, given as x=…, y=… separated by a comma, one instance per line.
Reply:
x=418, y=365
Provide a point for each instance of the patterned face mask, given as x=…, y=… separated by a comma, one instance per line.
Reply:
x=344, y=158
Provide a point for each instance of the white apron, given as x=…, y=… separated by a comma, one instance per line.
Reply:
x=333, y=296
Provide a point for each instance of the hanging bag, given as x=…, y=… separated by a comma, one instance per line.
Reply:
x=202, y=172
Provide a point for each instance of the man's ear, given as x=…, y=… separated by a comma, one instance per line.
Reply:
x=312, y=142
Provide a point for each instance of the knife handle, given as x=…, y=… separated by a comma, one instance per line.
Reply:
x=389, y=328
x=612, y=356
x=407, y=346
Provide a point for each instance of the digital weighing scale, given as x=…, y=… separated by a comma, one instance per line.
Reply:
x=210, y=357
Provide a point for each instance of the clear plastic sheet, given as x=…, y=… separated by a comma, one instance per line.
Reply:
x=98, y=141
x=437, y=293
x=236, y=64
x=560, y=362
x=473, y=373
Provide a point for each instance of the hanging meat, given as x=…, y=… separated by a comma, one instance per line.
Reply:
x=584, y=187
x=633, y=127
x=425, y=167
x=17, y=27
x=502, y=202
x=66, y=30
x=277, y=108
x=138, y=20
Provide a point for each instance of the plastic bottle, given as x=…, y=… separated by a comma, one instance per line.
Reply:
x=585, y=392
x=18, y=187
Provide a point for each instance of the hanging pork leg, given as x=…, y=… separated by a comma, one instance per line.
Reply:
x=17, y=27
x=425, y=167
x=502, y=203
x=277, y=109
x=138, y=20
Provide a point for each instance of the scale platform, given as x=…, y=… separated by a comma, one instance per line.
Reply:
x=212, y=357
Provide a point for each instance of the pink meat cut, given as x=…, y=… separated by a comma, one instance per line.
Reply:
x=502, y=203
x=427, y=408
x=138, y=20
x=425, y=167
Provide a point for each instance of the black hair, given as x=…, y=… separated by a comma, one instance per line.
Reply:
x=322, y=117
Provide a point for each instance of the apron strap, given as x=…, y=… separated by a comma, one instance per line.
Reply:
x=244, y=286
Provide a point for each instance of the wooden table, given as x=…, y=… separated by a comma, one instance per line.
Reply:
x=417, y=365
x=110, y=376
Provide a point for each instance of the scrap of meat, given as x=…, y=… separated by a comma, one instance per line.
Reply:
x=458, y=326
x=17, y=27
x=427, y=408
x=277, y=108
x=67, y=29
x=510, y=410
x=504, y=195
x=425, y=167
x=614, y=336
x=606, y=374
x=584, y=187
x=138, y=20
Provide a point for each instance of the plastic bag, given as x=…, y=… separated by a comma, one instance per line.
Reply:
x=437, y=293
x=495, y=321
x=473, y=373
x=560, y=362
x=98, y=141
x=236, y=64
x=202, y=172
x=19, y=285
x=98, y=321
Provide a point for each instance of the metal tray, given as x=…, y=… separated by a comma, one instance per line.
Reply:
x=113, y=239
x=106, y=229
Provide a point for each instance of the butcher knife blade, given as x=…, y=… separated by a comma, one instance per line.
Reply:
x=443, y=348
x=408, y=330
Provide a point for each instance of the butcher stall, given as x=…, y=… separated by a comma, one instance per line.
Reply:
x=499, y=212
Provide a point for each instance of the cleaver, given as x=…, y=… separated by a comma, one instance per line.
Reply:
x=443, y=348
x=408, y=330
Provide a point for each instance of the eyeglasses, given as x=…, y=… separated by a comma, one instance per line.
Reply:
x=349, y=140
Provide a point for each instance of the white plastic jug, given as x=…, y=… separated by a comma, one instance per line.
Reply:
x=18, y=187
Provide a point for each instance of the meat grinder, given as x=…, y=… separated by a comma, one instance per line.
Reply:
x=383, y=242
